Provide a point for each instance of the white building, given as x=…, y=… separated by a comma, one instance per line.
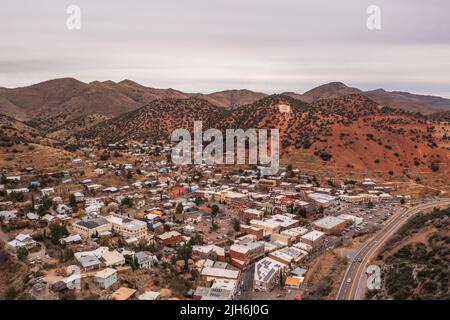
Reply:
x=106, y=277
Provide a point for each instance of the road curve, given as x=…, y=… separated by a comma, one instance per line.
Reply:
x=358, y=263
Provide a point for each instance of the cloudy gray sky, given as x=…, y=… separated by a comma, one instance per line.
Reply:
x=210, y=45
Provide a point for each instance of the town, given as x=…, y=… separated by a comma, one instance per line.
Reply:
x=124, y=222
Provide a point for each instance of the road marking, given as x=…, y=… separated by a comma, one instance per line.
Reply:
x=385, y=234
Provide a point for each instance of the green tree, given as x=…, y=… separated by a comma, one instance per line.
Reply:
x=72, y=201
x=179, y=208
x=22, y=253
x=57, y=231
x=214, y=209
x=129, y=174
x=11, y=293
x=236, y=224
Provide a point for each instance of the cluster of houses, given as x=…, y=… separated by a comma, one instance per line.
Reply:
x=153, y=203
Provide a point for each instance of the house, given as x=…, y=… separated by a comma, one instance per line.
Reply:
x=170, y=238
x=144, y=261
x=89, y=262
x=79, y=197
x=22, y=241
x=76, y=238
x=63, y=209
x=47, y=191
x=106, y=277
x=8, y=214
x=113, y=258
x=123, y=293
x=149, y=295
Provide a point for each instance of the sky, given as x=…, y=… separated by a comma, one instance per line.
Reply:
x=271, y=46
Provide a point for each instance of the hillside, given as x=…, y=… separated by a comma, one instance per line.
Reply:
x=155, y=121
x=398, y=100
x=415, y=261
x=52, y=104
x=350, y=132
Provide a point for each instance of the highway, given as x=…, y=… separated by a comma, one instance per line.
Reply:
x=354, y=288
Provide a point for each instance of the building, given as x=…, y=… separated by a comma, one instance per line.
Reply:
x=267, y=226
x=123, y=293
x=128, y=227
x=243, y=253
x=92, y=227
x=22, y=241
x=351, y=219
x=221, y=289
x=288, y=255
x=314, y=238
x=113, y=258
x=209, y=252
x=106, y=277
x=330, y=225
x=252, y=214
x=209, y=274
x=321, y=199
x=267, y=274
x=252, y=230
x=170, y=238
x=144, y=261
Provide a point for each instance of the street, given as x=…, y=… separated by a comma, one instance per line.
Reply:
x=353, y=287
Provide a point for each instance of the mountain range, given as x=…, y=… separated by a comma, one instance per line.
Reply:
x=54, y=103
x=333, y=125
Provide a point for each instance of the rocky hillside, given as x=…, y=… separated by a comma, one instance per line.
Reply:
x=154, y=121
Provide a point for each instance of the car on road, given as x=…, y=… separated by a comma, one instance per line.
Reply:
x=349, y=280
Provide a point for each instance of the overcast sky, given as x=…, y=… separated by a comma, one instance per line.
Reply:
x=209, y=45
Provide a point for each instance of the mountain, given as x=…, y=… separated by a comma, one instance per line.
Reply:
x=326, y=91
x=154, y=121
x=233, y=98
x=395, y=99
x=346, y=133
x=350, y=132
x=51, y=104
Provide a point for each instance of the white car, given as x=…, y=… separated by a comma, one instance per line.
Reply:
x=349, y=280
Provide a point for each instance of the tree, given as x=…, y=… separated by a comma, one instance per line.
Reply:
x=214, y=210
x=72, y=201
x=22, y=253
x=196, y=240
x=41, y=211
x=179, y=208
x=236, y=225
x=16, y=196
x=11, y=293
x=185, y=253
x=129, y=175
x=57, y=231
x=127, y=202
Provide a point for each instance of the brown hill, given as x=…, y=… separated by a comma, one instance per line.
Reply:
x=349, y=132
x=395, y=99
x=51, y=104
x=233, y=98
x=155, y=121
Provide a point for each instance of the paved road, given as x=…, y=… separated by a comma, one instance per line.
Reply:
x=247, y=278
x=358, y=262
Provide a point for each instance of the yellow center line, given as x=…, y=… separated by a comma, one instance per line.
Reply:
x=390, y=231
